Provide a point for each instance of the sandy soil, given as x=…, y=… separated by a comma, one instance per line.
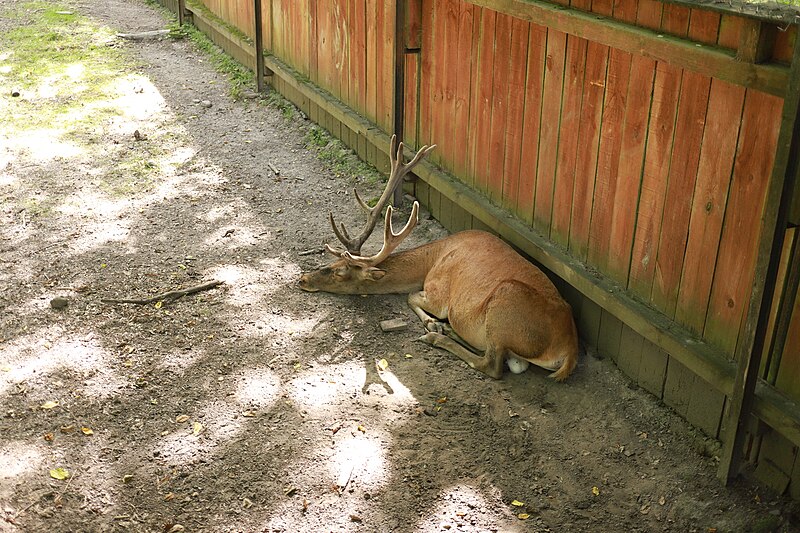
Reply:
x=257, y=407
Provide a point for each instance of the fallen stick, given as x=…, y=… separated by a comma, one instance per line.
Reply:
x=165, y=297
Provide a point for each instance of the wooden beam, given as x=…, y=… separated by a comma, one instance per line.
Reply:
x=755, y=333
x=181, y=12
x=707, y=60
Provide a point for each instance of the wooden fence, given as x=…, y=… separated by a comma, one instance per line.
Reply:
x=645, y=152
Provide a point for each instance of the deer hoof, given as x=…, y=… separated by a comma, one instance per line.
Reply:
x=429, y=338
x=434, y=326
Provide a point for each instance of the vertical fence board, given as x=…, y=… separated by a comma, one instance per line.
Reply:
x=464, y=76
x=594, y=87
x=654, y=179
x=549, y=129
x=709, y=202
x=358, y=55
x=534, y=81
x=516, y=111
x=437, y=80
x=371, y=59
x=426, y=60
x=447, y=107
x=502, y=61
x=737, y=249
x=626, y=196
x=387, y=63
x=568, y=147
x=381, y=46
x=485, y=97
x=619, y=65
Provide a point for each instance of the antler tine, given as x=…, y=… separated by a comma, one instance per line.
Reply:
x=391, y=240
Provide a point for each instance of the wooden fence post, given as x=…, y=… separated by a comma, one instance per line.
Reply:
x=399, y=82
x=259, y=44
x=775, y=216
x=181, y=11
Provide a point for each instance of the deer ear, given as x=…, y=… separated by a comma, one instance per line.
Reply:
x=375, y=273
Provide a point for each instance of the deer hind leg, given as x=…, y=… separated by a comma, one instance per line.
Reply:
x=490, y=363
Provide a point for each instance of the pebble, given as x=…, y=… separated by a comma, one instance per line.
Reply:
x=59, y=303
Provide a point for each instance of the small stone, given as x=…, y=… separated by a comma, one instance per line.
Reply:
x=206, y=103
x=59, y=303
x=14, y=94
x=395, y=324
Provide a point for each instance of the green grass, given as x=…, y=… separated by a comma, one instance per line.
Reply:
x=60, y=63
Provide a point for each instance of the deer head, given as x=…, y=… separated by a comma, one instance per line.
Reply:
x=352, y=273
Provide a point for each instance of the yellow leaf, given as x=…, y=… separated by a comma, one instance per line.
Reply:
x=517, y=503
x=383, y=364
x=103, y=265
x=523, y=516
x=181, y=418
x=248, y=414
x=87, y=431
x=362, y=429
x=408, y=356
x=5, y=368
x=595, y=491
x=197, y=427
x=59, y=473
x=443, y=399
x=49, y=405
x=159, y=304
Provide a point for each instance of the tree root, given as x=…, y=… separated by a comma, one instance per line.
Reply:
x=164, y=297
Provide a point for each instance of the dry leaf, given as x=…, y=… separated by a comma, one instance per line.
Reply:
x=595, y=491
x=443, y=399
x=49, y=405
x=48, y=437
x=382, y=365
x=67, y=429
x=197, y=427
x=181, y=418
x=361, y=428
x=408, y=356
x=517, y=503
x=523, y=516
x=87, y=431
x=248, y=414
x=59, y=473
x=169, y=496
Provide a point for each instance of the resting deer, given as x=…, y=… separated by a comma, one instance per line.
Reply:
x=495, y=301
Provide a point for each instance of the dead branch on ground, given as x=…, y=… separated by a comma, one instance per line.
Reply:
x=164, y=297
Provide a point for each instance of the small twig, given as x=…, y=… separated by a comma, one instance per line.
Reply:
x=273, y=169
x=165, y=297
x=312, y=251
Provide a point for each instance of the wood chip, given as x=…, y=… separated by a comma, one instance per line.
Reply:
x=395, y=324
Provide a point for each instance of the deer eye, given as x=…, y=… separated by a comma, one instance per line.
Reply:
x=341, y=273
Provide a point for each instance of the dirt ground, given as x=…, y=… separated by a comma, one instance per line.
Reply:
x=254, y=406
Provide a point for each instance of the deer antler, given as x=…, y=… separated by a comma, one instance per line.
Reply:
x=398, y=172
x=391, y=240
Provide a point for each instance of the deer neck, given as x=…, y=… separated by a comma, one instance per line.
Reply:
x=406, y=271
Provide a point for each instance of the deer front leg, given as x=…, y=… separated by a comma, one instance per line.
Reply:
x=432, y=318
x=490, y=363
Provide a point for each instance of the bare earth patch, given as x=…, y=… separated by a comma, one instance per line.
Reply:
x=253, y=406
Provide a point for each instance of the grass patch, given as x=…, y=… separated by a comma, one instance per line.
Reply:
x=339, y=158
x=60, y=64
